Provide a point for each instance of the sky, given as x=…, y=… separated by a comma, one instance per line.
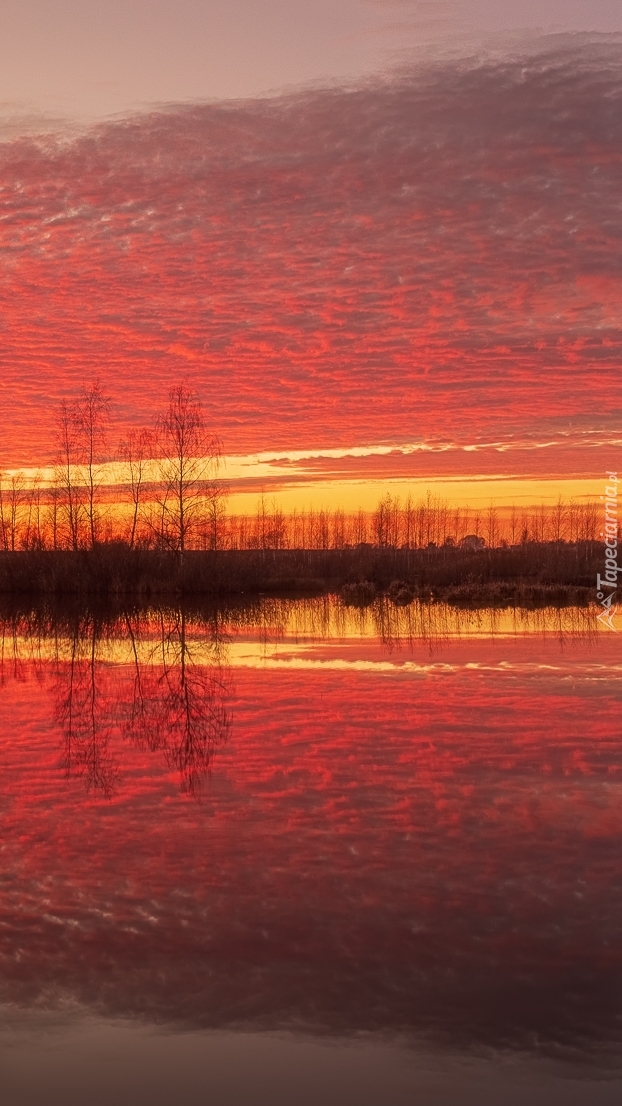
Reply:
x=89, y=58
x=380, y=238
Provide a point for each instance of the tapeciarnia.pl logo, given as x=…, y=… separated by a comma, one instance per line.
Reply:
x=606, y=586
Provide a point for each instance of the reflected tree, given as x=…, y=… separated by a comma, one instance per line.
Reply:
x=174, y=701
x=84, y=710
x=180, y=696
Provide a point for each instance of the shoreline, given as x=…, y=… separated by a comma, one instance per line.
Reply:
x=533, y=574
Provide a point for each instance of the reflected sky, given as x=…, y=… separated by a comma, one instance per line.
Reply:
x=414, y=849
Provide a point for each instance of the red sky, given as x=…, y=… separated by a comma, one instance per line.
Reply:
x=429, y=258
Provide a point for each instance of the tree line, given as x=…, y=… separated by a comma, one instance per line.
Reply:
x=162, y=489
x=406, y=523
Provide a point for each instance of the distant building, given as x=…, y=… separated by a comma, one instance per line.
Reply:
x=472, y=541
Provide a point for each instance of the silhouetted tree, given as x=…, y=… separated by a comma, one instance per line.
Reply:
x=136, y=452
x=188, y=458
x=81, y=437
x=12, y=497
x=91, y=413
x=66, y=477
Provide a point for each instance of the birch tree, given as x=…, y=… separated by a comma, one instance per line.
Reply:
x=187, y=459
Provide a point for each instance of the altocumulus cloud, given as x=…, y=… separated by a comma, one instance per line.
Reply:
x=434, y=255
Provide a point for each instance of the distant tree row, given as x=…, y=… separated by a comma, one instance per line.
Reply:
x=409, y=523
x=161, y=490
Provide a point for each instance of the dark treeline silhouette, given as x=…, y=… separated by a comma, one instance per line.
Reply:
x=175, y=505
x=552, y=571
x=150, y=519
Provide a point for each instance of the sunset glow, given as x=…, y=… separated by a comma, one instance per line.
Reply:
x=342, y=318
x=310, y=552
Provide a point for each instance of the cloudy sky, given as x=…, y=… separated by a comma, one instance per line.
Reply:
x=381, y=238
x=90, y=58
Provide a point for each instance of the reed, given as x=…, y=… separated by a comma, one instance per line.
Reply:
x=114, y=569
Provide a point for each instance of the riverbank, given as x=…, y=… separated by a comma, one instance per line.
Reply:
x=530, y=573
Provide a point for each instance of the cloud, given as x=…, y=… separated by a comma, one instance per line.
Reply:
x=435, y=255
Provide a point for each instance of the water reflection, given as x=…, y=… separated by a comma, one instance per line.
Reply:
x=85, y=711
x=399, y=627
x=172, y=699
x=416, y=849
x=178, y=702
x=122, y=638
x=161, y=677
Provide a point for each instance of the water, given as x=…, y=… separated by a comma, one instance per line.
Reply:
x=304, y=853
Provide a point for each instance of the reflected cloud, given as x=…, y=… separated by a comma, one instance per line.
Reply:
x=161, y=679
x=434, y=858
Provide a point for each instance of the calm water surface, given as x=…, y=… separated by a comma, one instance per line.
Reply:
x=307, y=854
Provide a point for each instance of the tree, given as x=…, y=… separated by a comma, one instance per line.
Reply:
x=31, y=535
x=214, y=535
x=66, y=480
x=187, y=459
x=92, y=417
x=11, y=503
x=386, y=521
x=81, y=437
x=136, y=452
x=492, y=527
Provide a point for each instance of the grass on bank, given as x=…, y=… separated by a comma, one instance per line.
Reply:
x=554, y=572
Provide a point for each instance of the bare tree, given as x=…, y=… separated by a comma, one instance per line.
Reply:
x=492, y=527
x=12, y=499
x=52, y=514
x=513, y=525
x=30, y=530
x=382, y=521
x=136, y=452
x=92, y=413
x=339, y=529
x=360, y=527
x=215, y=522
x=4, y=522
x=560, y=520
x=261, y=539
x=69, y=507
x=188, y=458
x=81, y=438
